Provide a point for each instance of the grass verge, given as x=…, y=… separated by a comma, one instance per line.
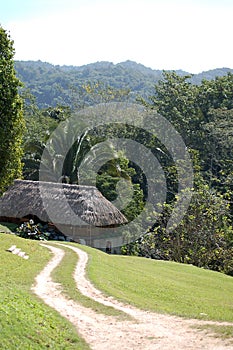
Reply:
x=7, y=227
x=63, y=274
x=218, y=331
x=163, y=286
x=25, y=321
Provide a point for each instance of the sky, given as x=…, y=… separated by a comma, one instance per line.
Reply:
x=192, y=35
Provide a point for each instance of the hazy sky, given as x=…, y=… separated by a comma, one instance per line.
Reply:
x=193, y=35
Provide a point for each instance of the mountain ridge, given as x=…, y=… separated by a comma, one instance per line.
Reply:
x=52, y=84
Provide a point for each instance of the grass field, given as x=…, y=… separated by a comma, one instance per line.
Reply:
x=25, y=321
x=62, y=274
x=163, y=286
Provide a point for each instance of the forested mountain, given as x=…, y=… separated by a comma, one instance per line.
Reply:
x=53, y=85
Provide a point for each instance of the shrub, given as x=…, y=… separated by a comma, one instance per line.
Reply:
x=32, y=231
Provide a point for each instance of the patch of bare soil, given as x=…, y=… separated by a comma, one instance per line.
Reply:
x=149, y=331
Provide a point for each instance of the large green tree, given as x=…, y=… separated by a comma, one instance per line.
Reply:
x=202, y=114
x=11, y=115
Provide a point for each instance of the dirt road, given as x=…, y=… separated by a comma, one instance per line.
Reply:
x=147, y=331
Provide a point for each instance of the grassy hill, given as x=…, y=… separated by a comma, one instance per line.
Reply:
x=165, y=287
x=25, y=321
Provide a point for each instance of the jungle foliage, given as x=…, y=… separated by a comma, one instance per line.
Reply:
x=202, y=113
x=11, y=117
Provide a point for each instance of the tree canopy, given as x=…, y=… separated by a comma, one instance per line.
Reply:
x=203, y=115
x=11, y=116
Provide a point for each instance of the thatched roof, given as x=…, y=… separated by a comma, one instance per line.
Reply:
x=59, y=203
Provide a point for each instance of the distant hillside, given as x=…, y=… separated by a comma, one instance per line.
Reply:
x=52, y=85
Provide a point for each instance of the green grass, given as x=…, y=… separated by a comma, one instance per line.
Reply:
x=25, y=321
x=163, y=286
x=7, y=227
x=223, y=332
x=63, y=275
x=166, y=287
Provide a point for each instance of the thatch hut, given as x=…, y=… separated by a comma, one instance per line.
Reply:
x=81, y=212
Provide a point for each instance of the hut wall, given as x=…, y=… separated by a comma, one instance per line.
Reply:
x=96, y=237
